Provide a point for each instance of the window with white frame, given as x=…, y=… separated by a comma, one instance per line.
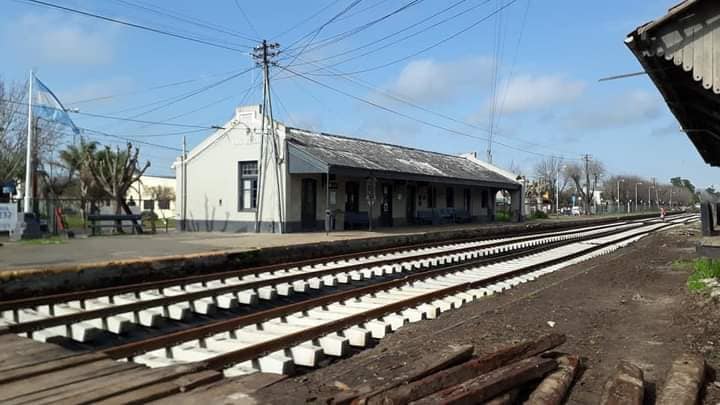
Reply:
x=248, y=185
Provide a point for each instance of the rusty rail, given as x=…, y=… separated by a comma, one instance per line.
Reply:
x=203, y=278
x=135, y=348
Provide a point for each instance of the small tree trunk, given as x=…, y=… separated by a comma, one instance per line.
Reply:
x=119, y=202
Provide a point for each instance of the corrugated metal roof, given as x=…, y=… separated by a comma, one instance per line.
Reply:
x=679, y=53
x=356, y=153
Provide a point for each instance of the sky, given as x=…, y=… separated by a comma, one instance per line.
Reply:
x=531, y=69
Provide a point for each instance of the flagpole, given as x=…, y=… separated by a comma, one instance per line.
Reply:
x=27, y=208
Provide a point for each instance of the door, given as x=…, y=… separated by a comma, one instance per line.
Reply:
x=352, y=197
x=386, y=206
x=410, y=204
x=308, y=205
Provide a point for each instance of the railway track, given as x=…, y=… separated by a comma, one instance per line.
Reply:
x=273, y=318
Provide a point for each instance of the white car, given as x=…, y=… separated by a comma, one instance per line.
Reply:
x=576, y=210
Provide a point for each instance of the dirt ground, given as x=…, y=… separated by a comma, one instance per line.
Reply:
x=632, y=304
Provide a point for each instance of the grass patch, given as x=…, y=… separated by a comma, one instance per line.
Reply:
x=704, y=268
x=53, y=240
x=682, y=265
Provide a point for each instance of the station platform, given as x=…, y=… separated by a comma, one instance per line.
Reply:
x=709, y=246
x=28, y=268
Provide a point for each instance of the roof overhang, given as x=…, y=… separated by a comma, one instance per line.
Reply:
x=678, y=52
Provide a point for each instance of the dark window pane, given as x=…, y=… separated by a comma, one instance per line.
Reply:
x=149, y=205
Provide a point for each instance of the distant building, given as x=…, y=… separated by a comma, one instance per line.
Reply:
x=236, y=183
x=143, y=194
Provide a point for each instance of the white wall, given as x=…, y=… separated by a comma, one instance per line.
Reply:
x=140, y=192
x=213, y=176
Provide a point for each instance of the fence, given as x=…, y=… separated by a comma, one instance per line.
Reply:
x=75, y=213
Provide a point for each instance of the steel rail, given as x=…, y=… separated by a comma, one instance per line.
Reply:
x=139, y=347
x=134, y=307
x=252, y=352
x=223, y=275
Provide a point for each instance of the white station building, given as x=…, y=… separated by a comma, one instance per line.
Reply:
x=236, y=183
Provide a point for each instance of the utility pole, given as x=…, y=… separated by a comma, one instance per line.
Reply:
x=27, y=200
x=264, y=55
x=183, y=173
x=586, y=158
x=657, y=197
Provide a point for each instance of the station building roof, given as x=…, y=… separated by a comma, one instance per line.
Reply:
x=387, y=160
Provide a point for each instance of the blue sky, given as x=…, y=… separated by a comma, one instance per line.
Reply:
x=549, y=98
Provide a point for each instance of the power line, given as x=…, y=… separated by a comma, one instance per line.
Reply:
x=148, y=89
x=303, y=21
x=317, y=31
x=434, y=45
x=252, y=27
x=343, y=35
x=406, y=116
x=125, y=138
x=457, y=3
x=133, y=25
x=403, y=100
x=515, y=57
x=190, y=20
x=111, y=117
x=193, y=93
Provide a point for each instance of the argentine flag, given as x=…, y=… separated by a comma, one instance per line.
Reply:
x=46, y=106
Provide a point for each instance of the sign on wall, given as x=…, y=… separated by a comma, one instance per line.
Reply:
x=8, y=217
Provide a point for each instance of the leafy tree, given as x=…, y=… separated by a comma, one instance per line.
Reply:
x=75, y=158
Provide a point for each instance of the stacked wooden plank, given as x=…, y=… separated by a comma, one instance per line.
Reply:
x=523, y=371
x=40, y=373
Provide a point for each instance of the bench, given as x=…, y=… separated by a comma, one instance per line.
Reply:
x=355, y=220
x=425, y=217
x=96, y=222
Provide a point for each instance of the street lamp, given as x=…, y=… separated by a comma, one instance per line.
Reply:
x=636, y=196
x=618, y=193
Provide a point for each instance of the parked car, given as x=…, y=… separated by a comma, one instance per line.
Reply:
x=576, y=210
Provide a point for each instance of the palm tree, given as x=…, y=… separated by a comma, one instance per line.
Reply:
x=76, y=158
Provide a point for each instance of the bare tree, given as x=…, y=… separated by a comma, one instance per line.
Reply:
x=115, y=172
x=547, y=174
x=13, y=133
x=576, y=172
x=161, y=192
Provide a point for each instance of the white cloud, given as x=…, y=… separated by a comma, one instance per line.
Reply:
x=533, y=92
x=629, y=108
x=59, y=40
x=430, y=81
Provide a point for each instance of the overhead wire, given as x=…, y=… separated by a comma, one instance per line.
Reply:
x=116, y=118
x=353, y=50
x=403, y=100
x=306, y=19
x=343, y=35
x=148, y=89
x=514, y=62
x=134, y=25
x=313, y=34
x=409, y=117
x=187, y=19
x=250, y=24
x=427, y=48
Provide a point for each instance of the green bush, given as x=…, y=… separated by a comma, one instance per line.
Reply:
x=539, y=215
x=704, y=268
